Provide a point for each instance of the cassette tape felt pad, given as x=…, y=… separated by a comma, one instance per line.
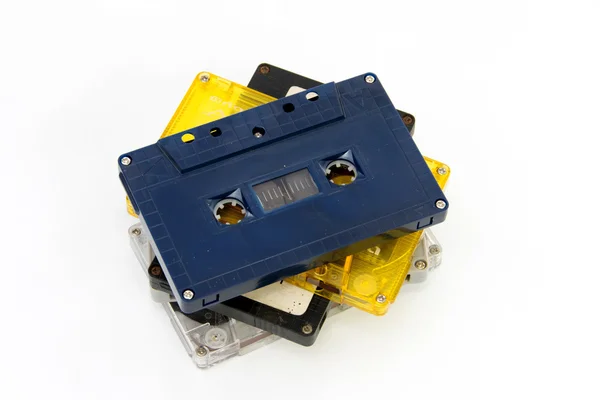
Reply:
x=179, y=185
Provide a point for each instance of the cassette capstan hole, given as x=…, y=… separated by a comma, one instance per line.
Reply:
x=215, y=132
x=341, y=172
x=288, y=107
x=229, y=211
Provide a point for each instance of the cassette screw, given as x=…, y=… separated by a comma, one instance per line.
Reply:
x=136, y=232
x=264, y=69
x=204, y=78
x=369, y=79
x=125, y=161
x=155, y=270
x=201, y=351
x=441, y=204
x=188, y=294
x=434, y=250
x=307, y=329
x=420, y=265
x=442, y=170
x=381, y=298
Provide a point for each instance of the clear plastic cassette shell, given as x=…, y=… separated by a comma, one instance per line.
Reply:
x=208, y=344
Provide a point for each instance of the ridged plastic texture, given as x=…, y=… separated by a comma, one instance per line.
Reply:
x=175, y=182
x=371, y=280
x=209, y=98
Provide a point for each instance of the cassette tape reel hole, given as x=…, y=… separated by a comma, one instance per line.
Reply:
x=341, y=172
x=229, y=211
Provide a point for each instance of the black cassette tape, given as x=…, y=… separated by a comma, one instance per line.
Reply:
x=299, y=328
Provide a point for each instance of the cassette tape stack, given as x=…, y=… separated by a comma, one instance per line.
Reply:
x=264, y=210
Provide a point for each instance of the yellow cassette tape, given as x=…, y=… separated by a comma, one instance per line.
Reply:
x=369, y=280
x=208, y=99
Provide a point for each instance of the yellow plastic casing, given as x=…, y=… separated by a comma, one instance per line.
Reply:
x=369, y=280
x=208, y=99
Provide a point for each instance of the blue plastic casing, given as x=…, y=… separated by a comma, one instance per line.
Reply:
x=174, y=186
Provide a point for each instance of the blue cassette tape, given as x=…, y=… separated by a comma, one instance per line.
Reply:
x=279, y=189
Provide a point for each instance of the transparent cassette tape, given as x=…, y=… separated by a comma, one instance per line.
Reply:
x=370, y=280
x=208, y=99
x=211, y=338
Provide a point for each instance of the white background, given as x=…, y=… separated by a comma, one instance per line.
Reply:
x=505, y=92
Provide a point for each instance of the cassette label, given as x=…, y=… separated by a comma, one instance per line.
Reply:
x=194, y=190
x=282, y=296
